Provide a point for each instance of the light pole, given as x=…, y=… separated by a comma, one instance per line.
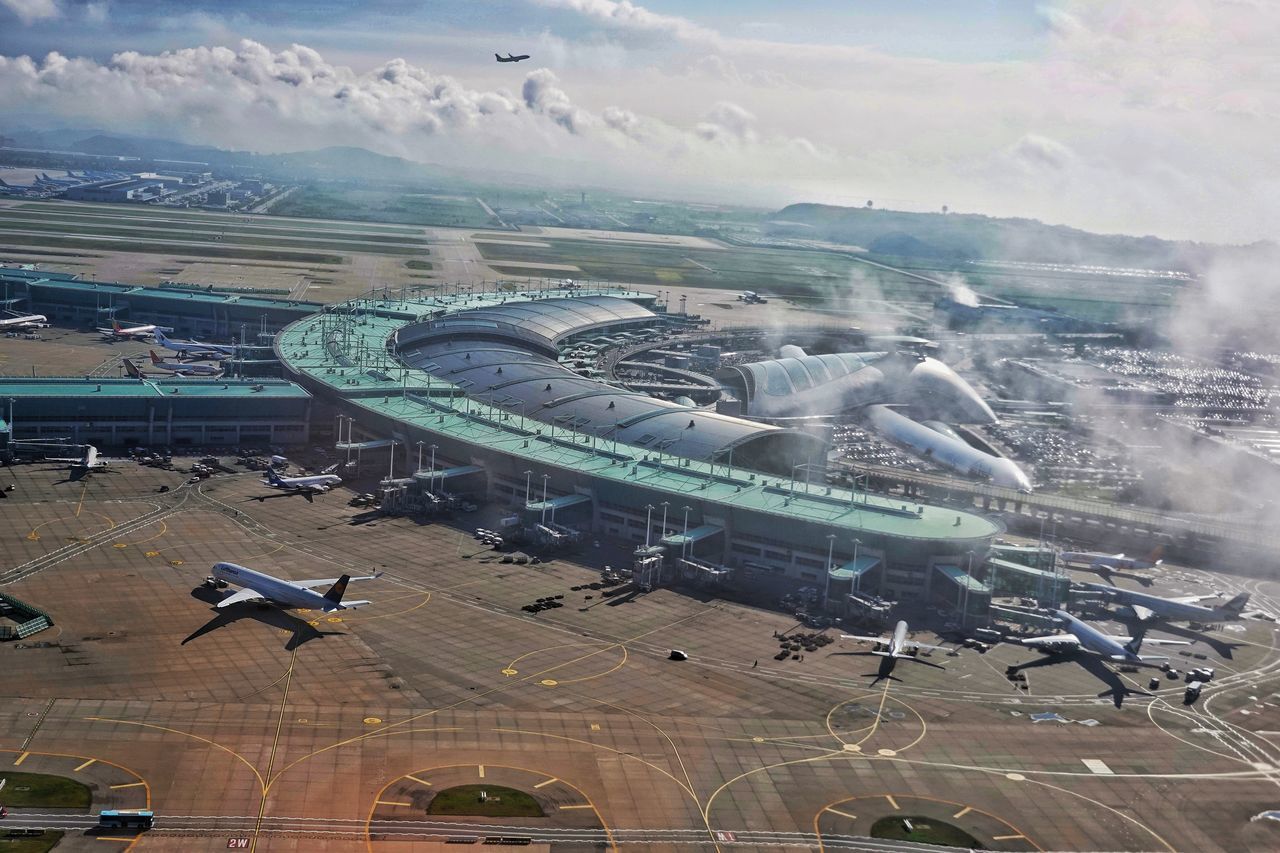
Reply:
x=857, y=576
x=664, y=506
x=432, y=487
x=391, y=461
x=684, y=540
x=648, y=524
x=528, y=476
x=826, y=589
x=545, y=477
x=420, y=443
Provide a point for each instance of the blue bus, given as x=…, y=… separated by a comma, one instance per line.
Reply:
x=125, y=819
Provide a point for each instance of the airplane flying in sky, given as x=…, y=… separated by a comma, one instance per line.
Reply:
x=194, y=348
x=23, y=322
x=129, y=332
x=510, y=58
x=1083, y=637
x=1147, y=608
x=312, y=484
x=183, y=368
x=897, y=646
x=1113, y=561
x=256, y=586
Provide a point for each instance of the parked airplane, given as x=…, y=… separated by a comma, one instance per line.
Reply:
x=1147, y=608
x=88, y=461
x=24, y=321
x=897, y=646
x=194, y=348
x=256, y=586
x=751, y=298
x=129, y=332
x=510, y=58
x=310, y=485
x=1083, y=637
x=1113, y=561
x=184, y=368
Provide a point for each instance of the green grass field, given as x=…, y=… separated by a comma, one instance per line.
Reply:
x=212, y=250
x=384, y=206
x=121, y=213
x=35, y=844
x=775, y=271
x=502, y=802
x=39, y=789
x=924, y=831
x=416, y=264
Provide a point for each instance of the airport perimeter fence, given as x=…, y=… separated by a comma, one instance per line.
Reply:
x=33, y=619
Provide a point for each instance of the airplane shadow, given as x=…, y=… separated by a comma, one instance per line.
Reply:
x=1117, y=689
x=265, y=498
x=301, y=631
x=1109, y=576
x=1224, y=648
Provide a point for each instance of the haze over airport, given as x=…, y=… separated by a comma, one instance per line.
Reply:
x=1118, y=117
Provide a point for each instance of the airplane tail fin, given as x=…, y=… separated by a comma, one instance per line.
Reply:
x=132, y=369
x=497, y=57
x=1237, y=604
x=115, y=324
x=272, y=477
x=336, y=591
x=1156, y=557
x=155, y=359
x=1133, y=645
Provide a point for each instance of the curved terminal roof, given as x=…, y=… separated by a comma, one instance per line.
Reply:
x=489, y=355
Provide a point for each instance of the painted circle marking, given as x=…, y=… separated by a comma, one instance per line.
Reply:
x=1015, y=777
x=548, y=682
x=852, y=747
x=175, y=562
x=509, y=671
x=334, y=619
x=120, y=545
x=153, y=553
x=372, y=721
x=757, y=739
x=887, y=751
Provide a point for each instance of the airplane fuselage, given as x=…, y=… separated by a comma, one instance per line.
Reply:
x=1106, y=561
x=29, y=320
x=276, y=591
x=1093, y=640
x=896, y=642
x=1165, y=608
x=320, y=482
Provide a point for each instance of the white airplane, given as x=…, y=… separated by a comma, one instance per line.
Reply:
x=89, y=461
x=129, y=332
x=309, y=485
x=1083, y=637
x=194, y=348
x=1147, y=608
x=751, y=298
x=256, y=586
x=897, y=646
x=1113, y=561
x=183, y=368
x=24, y=321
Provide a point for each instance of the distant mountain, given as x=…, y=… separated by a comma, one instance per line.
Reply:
x=964, y=236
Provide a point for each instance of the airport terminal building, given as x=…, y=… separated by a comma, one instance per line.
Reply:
x=477, y=384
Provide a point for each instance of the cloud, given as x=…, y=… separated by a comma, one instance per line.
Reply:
x=543, y=96
x=628, y=18
x=32, y=10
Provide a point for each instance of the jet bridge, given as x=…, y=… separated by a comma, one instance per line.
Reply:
x=955, y=588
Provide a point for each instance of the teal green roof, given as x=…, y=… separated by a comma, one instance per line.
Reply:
x=961, y=578
x=68, y=281
x=347, y=349
x=854, y=568
x=132, y=388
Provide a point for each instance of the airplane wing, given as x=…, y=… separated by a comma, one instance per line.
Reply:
x=1192, y=599
x=331, y=581
x=245, y=594
x=916, y=645
x=348, y=605
x=864, y=639
x=1152, y=641
x=1052, y=641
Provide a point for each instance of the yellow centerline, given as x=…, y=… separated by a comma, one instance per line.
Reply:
x=275, y=744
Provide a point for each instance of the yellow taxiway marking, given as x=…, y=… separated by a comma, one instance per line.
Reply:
x=1006, y=837
x=419, y=781
x=80, y=505
x=595, y=727
x=842, y=814
x=393, y=803
x=964, y=811
x=116, y=838
x=582, y=806
x=127, y=785
x=83, y=766
x=21, y=758
x=893, y=803
x=480, y=767
x=546, y=782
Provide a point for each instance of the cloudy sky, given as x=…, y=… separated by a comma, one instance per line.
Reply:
x=1116, y=115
